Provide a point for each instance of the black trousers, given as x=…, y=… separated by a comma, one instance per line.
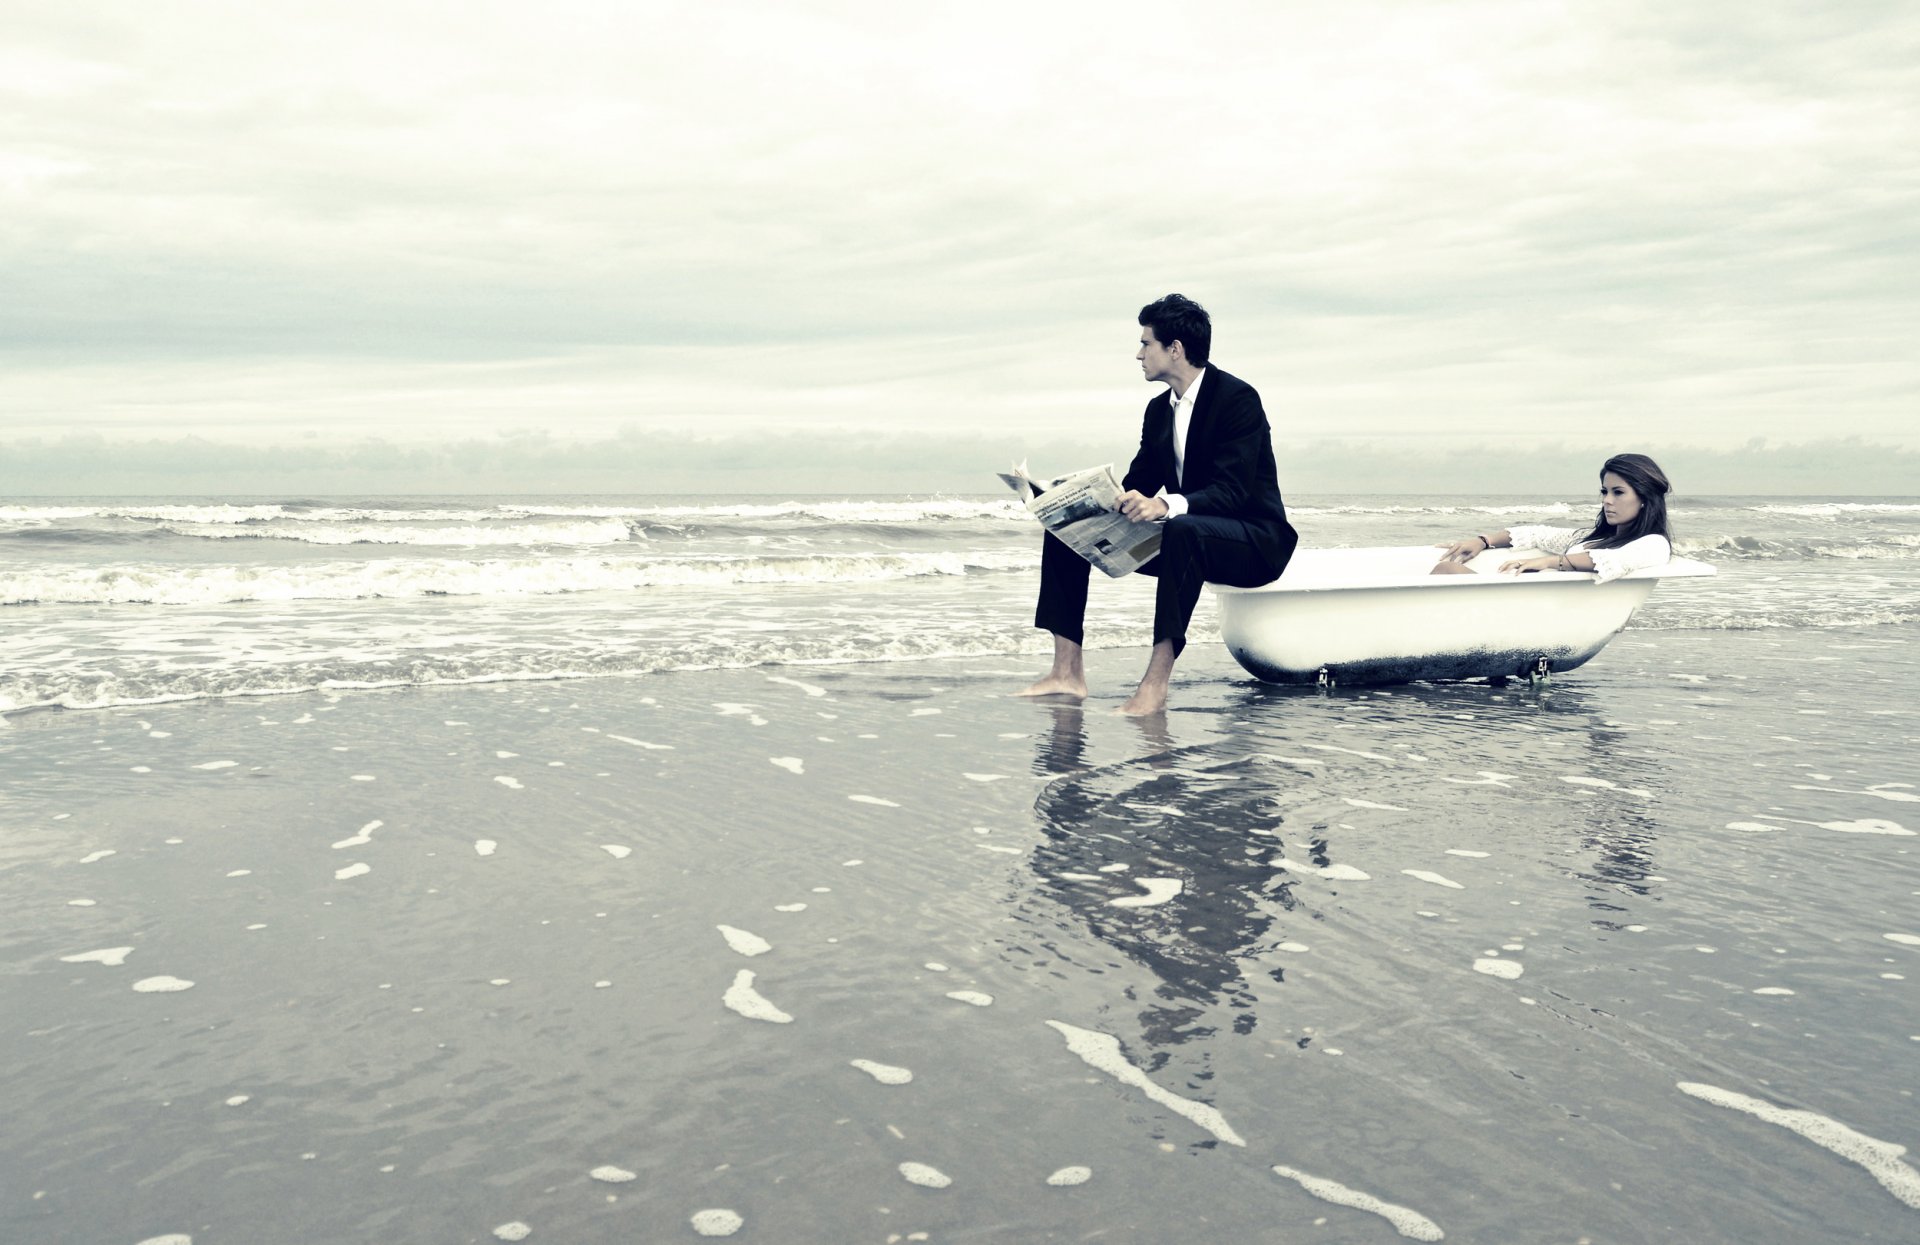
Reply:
x=1194, y=549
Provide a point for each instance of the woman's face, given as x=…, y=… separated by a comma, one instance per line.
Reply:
x=1619, y=504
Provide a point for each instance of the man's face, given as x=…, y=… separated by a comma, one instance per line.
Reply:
x=1156, y=361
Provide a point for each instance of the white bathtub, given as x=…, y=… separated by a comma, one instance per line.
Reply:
x=1365, y=616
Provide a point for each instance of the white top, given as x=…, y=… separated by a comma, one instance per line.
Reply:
x=1182, y=420
x=1635, y=555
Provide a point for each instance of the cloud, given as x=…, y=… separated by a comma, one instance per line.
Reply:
x=1495, y=219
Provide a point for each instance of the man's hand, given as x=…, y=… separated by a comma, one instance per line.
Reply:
x=1142, y=509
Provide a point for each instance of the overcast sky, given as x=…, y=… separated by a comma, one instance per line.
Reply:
x=1625, y=223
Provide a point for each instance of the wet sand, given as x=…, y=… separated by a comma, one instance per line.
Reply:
x=861, y=953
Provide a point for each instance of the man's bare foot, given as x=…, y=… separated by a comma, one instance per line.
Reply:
x=1057, y=685
x=1151, y=695
x=1066, y=677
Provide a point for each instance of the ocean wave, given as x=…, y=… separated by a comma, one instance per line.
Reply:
x=1556, y=509
x=867, y=533
x=260, y=513
x=78, y=688
x=218, y=513
x=223, y=513
x=103, y=689
x=936, y=511
x=511, y=524
x=48, y=534
x=1834, y=509
x=353, y=581
x=1804, y=616
x=1905, y=545
x=942, y=510
x=314, y=512
x=1551, y=510
x=604, y=532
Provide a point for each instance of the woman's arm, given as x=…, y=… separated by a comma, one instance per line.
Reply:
x=1550, y=562
x=1525, y=536
x=1471, y=547
x=1604, y=564
x=1540, y=536
x=1635, y=555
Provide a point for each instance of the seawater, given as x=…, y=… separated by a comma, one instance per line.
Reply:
x=125, y=601
x=874, y=951
x=706, y=873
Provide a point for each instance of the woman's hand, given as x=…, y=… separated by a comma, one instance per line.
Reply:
x=1546, y=562
x=1463, y=550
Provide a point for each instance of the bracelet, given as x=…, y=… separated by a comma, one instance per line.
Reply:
x=1486, y=540
x=1564, y=564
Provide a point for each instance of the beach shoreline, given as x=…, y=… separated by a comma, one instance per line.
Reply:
x=1254, y=903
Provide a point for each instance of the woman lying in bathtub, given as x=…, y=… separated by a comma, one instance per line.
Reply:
x=1629, y=535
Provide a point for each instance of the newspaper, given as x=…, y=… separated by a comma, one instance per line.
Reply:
x=1082, y=509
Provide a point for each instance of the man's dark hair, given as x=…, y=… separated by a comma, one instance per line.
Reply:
x=1177, y=318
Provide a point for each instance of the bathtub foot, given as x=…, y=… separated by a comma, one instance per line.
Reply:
x=1542, y=671
x=1324, y=681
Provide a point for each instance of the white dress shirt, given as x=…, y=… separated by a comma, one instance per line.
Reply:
x=1182, y=419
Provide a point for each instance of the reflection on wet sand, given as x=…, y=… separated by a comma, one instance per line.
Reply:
x=1166, y=859
x=1616, y=778
x=1181, y=858
x=1062, y=747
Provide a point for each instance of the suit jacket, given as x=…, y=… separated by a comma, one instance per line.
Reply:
x=1229, y=464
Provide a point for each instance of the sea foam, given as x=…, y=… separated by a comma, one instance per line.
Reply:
x=1407, y=1223
x=744, y=942
x=925, y=1176
x=744, y=999
x=386, y=579
x=113, y=957
x=1880, y=1158
x=1101, y=1051
x=886, y=1074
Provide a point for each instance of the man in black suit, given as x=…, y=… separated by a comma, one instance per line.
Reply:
x=1205, y=469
